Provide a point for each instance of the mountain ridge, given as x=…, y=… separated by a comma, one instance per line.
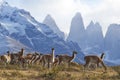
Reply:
x=22, y=27
x=49, y=21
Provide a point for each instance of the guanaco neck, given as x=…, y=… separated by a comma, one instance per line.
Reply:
x=53, y=57
x=73, y=55
x=21, y=53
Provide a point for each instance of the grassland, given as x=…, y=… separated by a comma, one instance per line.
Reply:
x=63, y=72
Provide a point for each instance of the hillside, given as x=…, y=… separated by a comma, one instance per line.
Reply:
x=74, y=72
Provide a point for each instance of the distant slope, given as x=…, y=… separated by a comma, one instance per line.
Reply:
x=94, y=38
x=52, y=24
x=77, y=31
x=112, y=42
x=9, y=44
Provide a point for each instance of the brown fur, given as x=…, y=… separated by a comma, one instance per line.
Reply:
x=93, y=59
x=22, y=61
x=48, y=59
x=55, y=62
x=66, y=58
x=6, y=59
x=15, y=56
x=31, y=57
x=38, y=58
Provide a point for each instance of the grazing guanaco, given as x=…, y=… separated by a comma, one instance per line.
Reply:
x=66, y=58
x=93, y=59
x=93, y=66
x=48, y=59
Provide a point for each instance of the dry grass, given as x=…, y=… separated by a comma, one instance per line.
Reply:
x=63, y=72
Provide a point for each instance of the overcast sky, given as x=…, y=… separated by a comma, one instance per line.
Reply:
x=103, y=11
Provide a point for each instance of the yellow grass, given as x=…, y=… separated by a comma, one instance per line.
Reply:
x=63, y=72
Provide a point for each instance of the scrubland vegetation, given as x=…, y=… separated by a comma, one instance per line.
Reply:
x=62, y=72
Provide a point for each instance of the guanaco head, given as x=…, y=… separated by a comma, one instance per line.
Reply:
x=102, y=55
x=56, y=55
x=41, y=54
x=52, y=48
x=75, y=52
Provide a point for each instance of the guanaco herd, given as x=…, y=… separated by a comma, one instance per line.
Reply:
x=49, y=60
